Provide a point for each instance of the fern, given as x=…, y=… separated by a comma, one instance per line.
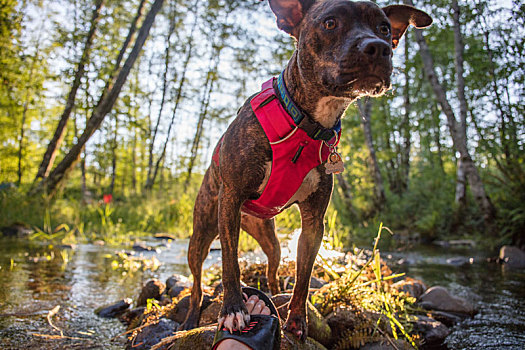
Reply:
x=355, y=338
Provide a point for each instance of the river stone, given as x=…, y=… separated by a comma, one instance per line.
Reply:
x=152, y=290
x=432, y=331
x=447, y=318
x=210, y=313
x=438, y=298
x=152, y=334
x=115, y=309
x=176, y=279
x=178, y=313
x=16, y=230
x=459, y=261
x=414, y=288
x=399, y=344
x=132, y=316
x=141, y=247
x=512, y=257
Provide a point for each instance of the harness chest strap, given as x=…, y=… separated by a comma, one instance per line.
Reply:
x=294, y=154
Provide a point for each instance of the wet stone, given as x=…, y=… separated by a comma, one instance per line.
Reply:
x=438, y=298
x=130, y=316
x=432, y=331
x=209, y=314
x=410, y=286
x=447, y=318
x=178, y=313
x=114, y=310
x=152, y=290
x=153, y=334
x=141, y=247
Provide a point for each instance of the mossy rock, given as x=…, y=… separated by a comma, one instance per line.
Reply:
x=202, y=339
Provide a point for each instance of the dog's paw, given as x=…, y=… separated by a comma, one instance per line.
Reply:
x=296, y=325
x=233, y=318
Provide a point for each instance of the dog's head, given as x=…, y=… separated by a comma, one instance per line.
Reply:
x=345, y=48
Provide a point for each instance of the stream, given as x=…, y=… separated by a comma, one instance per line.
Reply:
x=35, y=278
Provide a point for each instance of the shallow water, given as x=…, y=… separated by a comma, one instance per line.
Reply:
x=39, y=280
x=498, y=292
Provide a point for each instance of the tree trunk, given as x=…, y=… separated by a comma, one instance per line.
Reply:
x=57, y=176
x=458, y=137
x=56, y=141
x=21, y=139
x=459, y=48
x=165, y=83
x=178, y=98
x=405, y=124
x=379, y=189
x=114, y=157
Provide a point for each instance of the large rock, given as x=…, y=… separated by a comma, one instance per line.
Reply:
x=512, y=257
x=432, y=331
x=16, y=230
x=210, y=314
x=152, y=290
x=178, y=313
x=410, y=286
x=175, y=284
x=115, y=309
x=152, y=334
x=438, y=298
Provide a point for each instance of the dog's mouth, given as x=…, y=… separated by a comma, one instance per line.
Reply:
x=363, y=83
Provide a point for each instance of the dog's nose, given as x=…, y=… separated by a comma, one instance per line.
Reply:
x=375, y=48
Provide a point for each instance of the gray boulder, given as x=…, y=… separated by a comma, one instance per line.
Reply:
x=432, y=331
x=438, y=298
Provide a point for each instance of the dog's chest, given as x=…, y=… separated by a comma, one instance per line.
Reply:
x=309, y=186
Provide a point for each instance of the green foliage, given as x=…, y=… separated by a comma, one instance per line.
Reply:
x=236, y=46
x=365, y=287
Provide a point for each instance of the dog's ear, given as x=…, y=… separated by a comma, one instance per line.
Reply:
x=401, y=16
x=290, y=13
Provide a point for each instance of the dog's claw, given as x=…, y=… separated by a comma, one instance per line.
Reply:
x=233, y=322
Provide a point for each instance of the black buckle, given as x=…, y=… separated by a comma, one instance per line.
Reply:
x=316, y=131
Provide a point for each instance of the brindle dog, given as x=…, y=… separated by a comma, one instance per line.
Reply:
x=344, y=52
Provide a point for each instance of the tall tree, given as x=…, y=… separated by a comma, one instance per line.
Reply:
x=54, y=144
x=57, y=176
x=457, y=131
x=365, y=109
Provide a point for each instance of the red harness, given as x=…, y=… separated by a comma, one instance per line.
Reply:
x=294, y=154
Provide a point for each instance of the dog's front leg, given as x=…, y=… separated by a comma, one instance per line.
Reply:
x=233, y=314
x=312, y=217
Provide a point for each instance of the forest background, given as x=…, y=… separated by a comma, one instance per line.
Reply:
x=110, y=110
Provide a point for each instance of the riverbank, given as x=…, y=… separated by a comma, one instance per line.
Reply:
x=41, y=277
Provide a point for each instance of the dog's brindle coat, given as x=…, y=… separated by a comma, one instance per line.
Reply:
x=344, y=51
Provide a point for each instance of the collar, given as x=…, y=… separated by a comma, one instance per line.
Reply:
x=312, y=128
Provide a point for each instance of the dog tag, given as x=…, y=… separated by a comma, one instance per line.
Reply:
x=335, y=164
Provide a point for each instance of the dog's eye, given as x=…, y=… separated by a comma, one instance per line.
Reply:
x=384, y=29
x=330, y=24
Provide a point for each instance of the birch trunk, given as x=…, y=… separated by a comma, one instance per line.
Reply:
x=58, y=136
x=457, y=133
x=58, y=175
x=379, y=189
